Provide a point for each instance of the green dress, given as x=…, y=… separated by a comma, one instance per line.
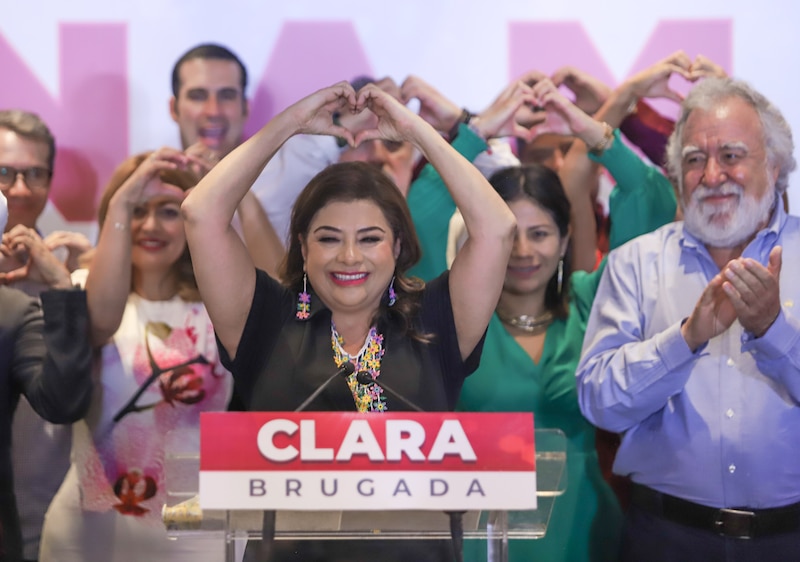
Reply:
x=586, y=520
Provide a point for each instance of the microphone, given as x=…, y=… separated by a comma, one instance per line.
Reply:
x=258, y=551
x=456, y=517
x=344, y=371
x=363, y=377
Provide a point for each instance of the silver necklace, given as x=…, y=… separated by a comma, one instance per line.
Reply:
x=529, y=324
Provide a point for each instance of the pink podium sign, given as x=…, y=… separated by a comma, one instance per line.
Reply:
x=351, y=461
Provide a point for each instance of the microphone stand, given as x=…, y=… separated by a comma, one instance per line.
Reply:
x=344, y=371
x=456, y=517
x=363, y=377
x=259, y=551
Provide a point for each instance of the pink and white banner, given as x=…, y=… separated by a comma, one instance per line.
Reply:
x=349, y=461
x=98, y=72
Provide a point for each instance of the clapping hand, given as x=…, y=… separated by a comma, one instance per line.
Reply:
x=754, y=291
x=743, y=290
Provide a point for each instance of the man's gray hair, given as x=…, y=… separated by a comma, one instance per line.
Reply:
x=777, y=133
x=30, y=126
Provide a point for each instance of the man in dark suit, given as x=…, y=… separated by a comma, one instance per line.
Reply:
x=45, y=356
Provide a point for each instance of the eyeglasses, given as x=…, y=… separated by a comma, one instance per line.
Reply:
x=35, y=177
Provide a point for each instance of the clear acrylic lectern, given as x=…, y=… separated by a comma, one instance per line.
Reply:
x=185, y=520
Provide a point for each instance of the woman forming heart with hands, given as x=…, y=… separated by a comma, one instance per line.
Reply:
x=343, y=294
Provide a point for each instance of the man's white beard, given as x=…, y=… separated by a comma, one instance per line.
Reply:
x=728, y=224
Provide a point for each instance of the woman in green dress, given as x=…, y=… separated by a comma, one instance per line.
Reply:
x=534, y=340
x=531, y=351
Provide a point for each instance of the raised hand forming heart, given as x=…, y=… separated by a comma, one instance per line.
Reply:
x=25, y=256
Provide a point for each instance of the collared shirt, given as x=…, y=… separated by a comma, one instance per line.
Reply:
x=720, y=426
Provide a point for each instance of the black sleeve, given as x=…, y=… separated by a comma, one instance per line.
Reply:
x=52, y=356
x=264, y=322
x=437, y=315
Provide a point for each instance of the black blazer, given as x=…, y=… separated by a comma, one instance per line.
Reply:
x=44, y=354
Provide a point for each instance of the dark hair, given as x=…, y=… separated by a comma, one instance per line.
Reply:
x=185, y=180
x=30, y=126
x=207, y=51
x=542, y=186
x=360, y=81
x=355, y=181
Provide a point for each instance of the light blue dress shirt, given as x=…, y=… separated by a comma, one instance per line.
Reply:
x=721, y=426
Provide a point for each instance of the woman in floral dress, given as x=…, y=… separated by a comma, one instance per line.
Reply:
x=157, y=369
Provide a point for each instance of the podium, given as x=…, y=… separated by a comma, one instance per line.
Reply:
x=186, y=520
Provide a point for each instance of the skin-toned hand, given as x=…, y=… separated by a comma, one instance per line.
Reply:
x=203, y=158
x=703, y=67
x=76, y=244
x=590, y=93
x=532, y=77
x=395, y=120
x=712, y=315
x=139, y=187
x=500, y=118
x=355, y=122
x=388, y=85
x=754, y=291
x=529, y=114
x=41, y=266
x=314, y=115
x=434, y=107
x=653, y=82
x=562, y=117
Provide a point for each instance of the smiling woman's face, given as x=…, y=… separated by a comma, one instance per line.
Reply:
x=350, y=254
x=537, y=249
x=157, y=230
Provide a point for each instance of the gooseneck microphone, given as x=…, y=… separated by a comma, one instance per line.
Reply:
x=363, y=377
x=343, y=372
x=456, y=517
x=258, y=551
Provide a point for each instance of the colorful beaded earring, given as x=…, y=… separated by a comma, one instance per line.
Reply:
x=392, y=293
x=303, y=301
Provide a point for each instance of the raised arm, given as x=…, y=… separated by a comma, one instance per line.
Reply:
x=429, y=200
x=224, y=270
x=579, y=174
x=262, y=240
x=52, y=358
x=263, y=243
x=652, y=82
x=477, y=275
x=109, y=281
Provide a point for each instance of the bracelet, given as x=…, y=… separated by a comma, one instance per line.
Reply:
x=463, y=118
x=605, y=142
